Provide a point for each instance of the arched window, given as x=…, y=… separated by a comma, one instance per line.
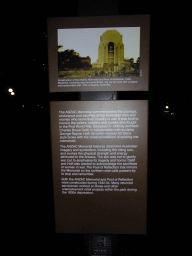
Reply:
x=111, y=47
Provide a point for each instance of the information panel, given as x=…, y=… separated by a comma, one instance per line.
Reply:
x=99, y=156
x=99, y=53
x=100, y=246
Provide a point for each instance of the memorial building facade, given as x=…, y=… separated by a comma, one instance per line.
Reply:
x=110, y=51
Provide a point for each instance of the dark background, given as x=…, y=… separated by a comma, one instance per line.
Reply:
x=26, y=167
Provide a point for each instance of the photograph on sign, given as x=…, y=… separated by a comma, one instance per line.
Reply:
x=113, y=57
x=98, y=52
